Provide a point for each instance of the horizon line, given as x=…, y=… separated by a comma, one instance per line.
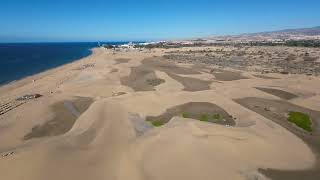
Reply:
x=157, y=39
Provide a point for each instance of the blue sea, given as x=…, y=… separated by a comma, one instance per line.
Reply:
x=24, y=59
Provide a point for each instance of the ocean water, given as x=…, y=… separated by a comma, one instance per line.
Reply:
x=18, y=60
x=24, y=59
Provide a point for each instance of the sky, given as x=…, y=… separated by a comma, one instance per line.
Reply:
x=145, y=20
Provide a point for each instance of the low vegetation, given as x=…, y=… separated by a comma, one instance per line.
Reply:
x=217, y=117
x=185, y=115
x=157, y=123
x=303, y=43
x=203, y=117
x=300, y=119
x=155, y=82
x=288, y=43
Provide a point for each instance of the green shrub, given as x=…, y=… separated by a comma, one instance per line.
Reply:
x=157, y=123
x=301, y=120
x=204, y=117
x=216, y=116
x=185, y=115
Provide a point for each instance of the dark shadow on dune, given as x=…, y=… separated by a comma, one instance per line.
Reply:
x=279, y=93
x=265, y=77
x=66, y=114
x=276, y=111
x=114, y=70
x=203, y=111
x=312, y=174
x=224, y=75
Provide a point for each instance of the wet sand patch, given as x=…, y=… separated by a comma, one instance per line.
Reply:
x=313, y=174
x=191, y=84
x=66, y=114
x=139, y=124
x=155, y=81
x=279, y=93
x=224, y=75
x=203, y=111
x=122, y=60
x=141, y=79
x=163, y=65
x=277, y=110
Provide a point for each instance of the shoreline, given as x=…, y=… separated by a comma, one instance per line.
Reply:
x=22, y=78
x=23, y=60
x=29, y=79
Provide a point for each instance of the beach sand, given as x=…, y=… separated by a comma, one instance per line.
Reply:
x=94, y=122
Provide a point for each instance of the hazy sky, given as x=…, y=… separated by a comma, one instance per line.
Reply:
x=98, y=20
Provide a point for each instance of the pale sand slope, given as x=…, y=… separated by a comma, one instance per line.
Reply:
x=103, y=143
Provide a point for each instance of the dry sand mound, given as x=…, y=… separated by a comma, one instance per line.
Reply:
x=112, y=140
x=277, y=111
x=103, y=145
x=122, y=60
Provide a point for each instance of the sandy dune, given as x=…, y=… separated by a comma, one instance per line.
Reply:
x=111, y=139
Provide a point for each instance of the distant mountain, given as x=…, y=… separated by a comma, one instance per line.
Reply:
x=314, y=31
x=286, y=34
